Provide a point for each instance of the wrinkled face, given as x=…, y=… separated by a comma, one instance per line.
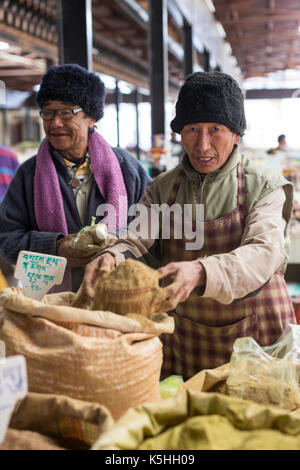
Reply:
x=208, y=145
x=70, y=136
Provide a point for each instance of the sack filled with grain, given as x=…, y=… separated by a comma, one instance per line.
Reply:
x=74, y=424
x=193, y=420
x=131, y=287
x=96, y=356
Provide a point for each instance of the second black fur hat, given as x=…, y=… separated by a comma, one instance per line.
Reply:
x=73, y=84
x=210, y=97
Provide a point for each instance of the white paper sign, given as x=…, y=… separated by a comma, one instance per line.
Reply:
x=39, y=272
x=13, y=387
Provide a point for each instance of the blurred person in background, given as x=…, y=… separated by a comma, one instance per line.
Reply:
x=8, y=166
x=282, y=145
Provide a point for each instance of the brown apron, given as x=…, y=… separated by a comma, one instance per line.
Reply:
x=205, y=329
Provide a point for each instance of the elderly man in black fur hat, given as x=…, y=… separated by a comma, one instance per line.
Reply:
x=75, y=172
x=231, y=284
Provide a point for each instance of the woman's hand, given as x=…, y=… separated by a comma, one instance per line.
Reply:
x=186, y=275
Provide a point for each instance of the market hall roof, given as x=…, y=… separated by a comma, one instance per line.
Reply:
x=264, y=37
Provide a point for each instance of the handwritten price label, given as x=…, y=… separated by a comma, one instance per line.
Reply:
x=39, y=272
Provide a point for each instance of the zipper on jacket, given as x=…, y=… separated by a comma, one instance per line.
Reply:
x=201, y=189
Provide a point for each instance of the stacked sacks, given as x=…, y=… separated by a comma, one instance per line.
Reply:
x=98, y=356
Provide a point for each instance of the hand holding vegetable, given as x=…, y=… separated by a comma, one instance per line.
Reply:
x=75, y=257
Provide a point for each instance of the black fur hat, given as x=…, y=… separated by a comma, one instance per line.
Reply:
x=73, y=84
x=210, y=97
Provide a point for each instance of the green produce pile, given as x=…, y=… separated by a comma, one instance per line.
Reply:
x=170, y=385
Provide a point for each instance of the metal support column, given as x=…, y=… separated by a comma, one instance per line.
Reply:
x=158, y=53
x=206, y=64
x=5, y=130
x=28, y=124
x=75, y=32
x=117, y=98
x=188, y=48
x=137, y=100
x=49, y=62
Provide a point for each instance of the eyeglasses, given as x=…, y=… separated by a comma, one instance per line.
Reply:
x=63, y=114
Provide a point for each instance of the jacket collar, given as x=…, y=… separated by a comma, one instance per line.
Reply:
x=230, y=165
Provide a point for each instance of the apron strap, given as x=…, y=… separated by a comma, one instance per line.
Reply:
x=241, y=190
x=175, y=188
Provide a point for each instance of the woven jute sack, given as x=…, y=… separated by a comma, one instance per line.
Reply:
x=131, y=287
x=96, y=356
x=73, y=424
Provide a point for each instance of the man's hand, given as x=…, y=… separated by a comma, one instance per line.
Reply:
x=186, y=275
x=94, y=271
x=75, y=258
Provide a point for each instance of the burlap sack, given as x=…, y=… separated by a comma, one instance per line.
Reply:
x=95, y=356
x=73, y=424
x=28, y=440
x=131, y=287
x=209, y=380
x=202, y=421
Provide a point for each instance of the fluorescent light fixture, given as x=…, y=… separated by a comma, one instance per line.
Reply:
x=227, y=47
x=109, y=82
x=124, y=87
x=210, y=6
x=4, y=46
x=221, y=30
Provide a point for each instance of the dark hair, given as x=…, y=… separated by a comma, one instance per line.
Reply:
x=71, y=83
x=281, y=137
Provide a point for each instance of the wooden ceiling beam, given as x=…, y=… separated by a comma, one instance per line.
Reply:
x=266, y=51
x=17, y=59
x=267, y=36
x=270, y=93
x=232, y=4
x=260, y=19
x=26, y=40
x=266, y=69
x=219, y=14
x=20, y=72
x=115, y=22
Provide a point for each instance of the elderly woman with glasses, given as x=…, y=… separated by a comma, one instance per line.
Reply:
x=75, y=172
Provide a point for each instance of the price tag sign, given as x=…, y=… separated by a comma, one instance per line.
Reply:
x=13, y=387
x=39, y=272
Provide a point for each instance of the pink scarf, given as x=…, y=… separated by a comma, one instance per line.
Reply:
x=48, y=202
